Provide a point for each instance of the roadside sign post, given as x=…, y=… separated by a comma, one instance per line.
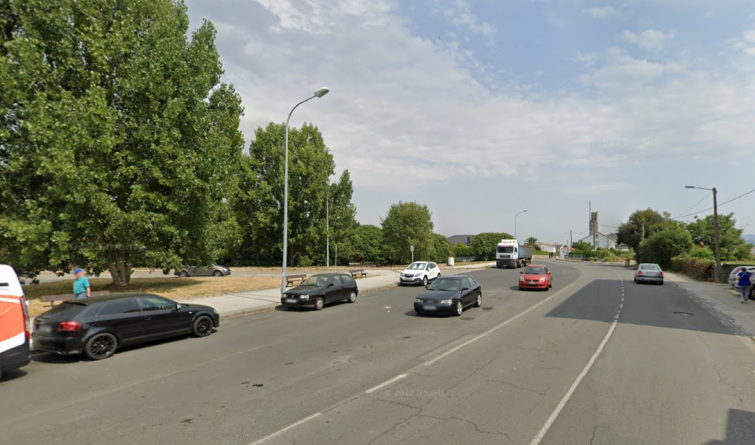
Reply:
x=411, y=247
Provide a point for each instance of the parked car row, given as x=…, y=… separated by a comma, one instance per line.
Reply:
x=213, y=270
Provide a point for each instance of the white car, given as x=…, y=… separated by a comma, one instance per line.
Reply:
x=419, y=272
x=733, y=275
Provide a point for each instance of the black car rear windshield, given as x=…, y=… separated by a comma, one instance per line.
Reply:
x=63, y=311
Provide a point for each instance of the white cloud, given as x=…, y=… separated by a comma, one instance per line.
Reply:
x=601, y=12
x=460, y=14
x=650, y=40
x=746, y=43
x=407, y=112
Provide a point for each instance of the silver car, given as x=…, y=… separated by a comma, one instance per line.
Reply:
x=648, y=273
x=206, y=271
x=733, y=280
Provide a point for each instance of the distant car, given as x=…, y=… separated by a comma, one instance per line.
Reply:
x=213, y=270
x=733, y=275
x=321, y=289
x=648, y=273
x=449, y=295
x=96, y=327
x=419, y=272
x=536, y=276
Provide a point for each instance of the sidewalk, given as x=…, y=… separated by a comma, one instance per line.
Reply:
x=237, y=304
x=721, y=300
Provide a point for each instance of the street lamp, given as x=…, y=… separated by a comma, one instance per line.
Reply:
x=716, y=235
x=319, y=93
x=523, y=211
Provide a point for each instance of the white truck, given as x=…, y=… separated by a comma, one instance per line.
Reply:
x=509, y=253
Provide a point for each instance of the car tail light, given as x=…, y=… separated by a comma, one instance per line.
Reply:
x=27, y=319
x=69, y=326
x=660, y=274
x=639, y=272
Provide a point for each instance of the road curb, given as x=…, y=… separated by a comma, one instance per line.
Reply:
x=238, y=313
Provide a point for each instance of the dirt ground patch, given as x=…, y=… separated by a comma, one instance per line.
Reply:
x=173, y=288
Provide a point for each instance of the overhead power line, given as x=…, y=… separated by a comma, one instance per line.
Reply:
x=721, y=204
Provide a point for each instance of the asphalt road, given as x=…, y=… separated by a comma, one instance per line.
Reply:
x=555, y=367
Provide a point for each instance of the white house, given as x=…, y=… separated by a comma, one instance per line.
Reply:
x=600, y=241
x=563, y=251
x=545, y=247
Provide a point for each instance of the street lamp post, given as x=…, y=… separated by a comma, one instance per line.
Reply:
x=319, y=93
x=716, y=230
x=523, y=211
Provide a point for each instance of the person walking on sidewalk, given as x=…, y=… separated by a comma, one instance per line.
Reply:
x=744, y=281
x=81, y=288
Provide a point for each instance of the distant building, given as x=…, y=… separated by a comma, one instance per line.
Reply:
x=464, y=239
x=550, y=248
x=600, y=240
x=563, y=251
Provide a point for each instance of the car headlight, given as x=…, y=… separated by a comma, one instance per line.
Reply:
x=542, y=280
x=418, y=300
x=304, y=297
x=446, y=301
x=521, y=278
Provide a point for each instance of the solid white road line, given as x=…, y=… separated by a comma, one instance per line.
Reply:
x=279, y=432
x=386, y=383
x=549, y=423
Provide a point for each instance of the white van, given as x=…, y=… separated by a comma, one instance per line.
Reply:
x=15, y=325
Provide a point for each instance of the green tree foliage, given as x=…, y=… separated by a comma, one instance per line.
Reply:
x=484, y=244
x=532, y=241
x=118, y=142
x=663, y=245
x=259, y=203
x=733, y=247
x=461, y=249
x=408, y=223
x=630, y=232
x=367, y=244
x=582, y=249
x=442, y=249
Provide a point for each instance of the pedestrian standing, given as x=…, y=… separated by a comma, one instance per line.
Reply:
x=744, y=281
x=81, y=288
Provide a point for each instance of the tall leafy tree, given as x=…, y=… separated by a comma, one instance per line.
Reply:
x=342, y=215
x=733, y=246
x=367, y=244
x=531, y=241
x=117, y=138
x=406, y=224
x=442, y=248
x=663, y=245
x=484, y=244
x=631, y=232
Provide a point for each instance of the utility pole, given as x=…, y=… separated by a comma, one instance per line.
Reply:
x=571, y=238
x=327, y=227
x=716, y=236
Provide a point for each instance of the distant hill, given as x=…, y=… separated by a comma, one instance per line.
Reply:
x=749, y=238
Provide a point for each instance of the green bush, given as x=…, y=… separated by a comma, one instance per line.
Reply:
x=462, y=250
x=699, y=269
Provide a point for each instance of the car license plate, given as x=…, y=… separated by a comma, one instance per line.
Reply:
x=430, y=308
x=44, y=329
x=290, y=300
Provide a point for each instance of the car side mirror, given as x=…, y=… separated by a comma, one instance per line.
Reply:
x=464, y=288
x=521, y=272
x=331, y=284
x=178, y=306
x=549, y=272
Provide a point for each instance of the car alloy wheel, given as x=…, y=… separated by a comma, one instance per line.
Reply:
x=459, y=308
x=478, y=303
x=319, y=303
x=352, y=297
x=184, y=274
x=424, y=280
x=101, y=346
x=218, y=273
x=202, y=326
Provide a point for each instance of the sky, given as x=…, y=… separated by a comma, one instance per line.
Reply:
x=481, y=109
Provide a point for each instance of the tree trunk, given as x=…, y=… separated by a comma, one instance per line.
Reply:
x=121, y=272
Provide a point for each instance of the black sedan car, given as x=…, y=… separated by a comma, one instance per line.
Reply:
x=321, y=289
x=97, y=326
x=449, y=295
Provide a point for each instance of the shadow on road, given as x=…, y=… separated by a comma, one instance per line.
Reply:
x=740, y=429
x=644, y=305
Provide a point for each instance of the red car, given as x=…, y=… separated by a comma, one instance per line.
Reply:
x=535, y=277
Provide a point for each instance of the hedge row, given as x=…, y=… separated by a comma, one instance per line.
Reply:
x=699, y=269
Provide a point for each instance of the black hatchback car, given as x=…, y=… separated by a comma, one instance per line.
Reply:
x=321, y=289
x=449, y=295
x=97, y=326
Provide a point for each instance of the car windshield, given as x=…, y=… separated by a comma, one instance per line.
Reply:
x=505, y=249
x=650, y=267
x=316, y=281
x=416, y=266
x=445, y=284
x=534, y=271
